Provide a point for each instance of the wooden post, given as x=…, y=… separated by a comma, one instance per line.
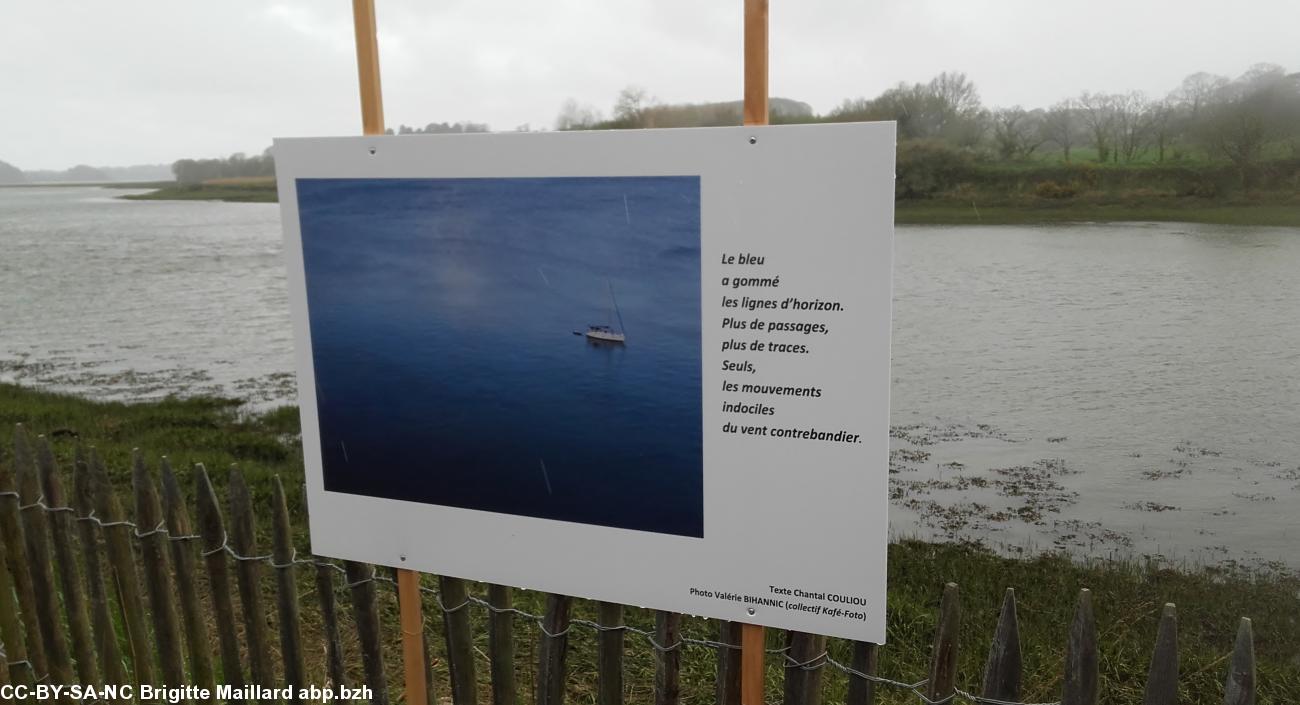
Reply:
x=727, y=688
x=11, y=531
x=1239, y=688
x=121, y=561
x=248, y=576
x=20, y=571
x=372, y=97
x=755, y=109
x=609, y=685
x=83, y=501
x=187, y=591
x=282, y=554
x=943, y=663
x=866, y=661
x=751, y=664
x=213, y=530
x=501, y=648
x=74, y=599
x=756, y=62
x=554, y=648
x=365, y=612
x=11, y=633
x=372, y=123
x=1081, y=656
x=330, y=620
x=668, y=665
x=1003, y=669
x=36, y=533
x=1162, y=679
x=153, y=552
x=408, y=602
x=460, y=642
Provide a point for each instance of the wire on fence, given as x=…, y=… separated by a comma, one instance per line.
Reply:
x=822, y=660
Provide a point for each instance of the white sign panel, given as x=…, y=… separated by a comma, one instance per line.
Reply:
x=647, y=367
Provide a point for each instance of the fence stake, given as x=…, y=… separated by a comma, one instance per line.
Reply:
x=943, y=664
x=287, y=593
x=727, y=687
x=668, y=664
x=1081, y=658
x=11, y=634
x=182, y=552
x=1162, y=679
x=121, y=561
x=812, y=681
x=330, y=620
x=501, y=647
x=554, y=646
x=248, y=575
x=609, y=687
x=1003, y=669
x=74, y=599
x=460, y=641
x=148, y=517
x=213, y=530
x=366, y=614
x=865, y=660
x=18, y=568
x=1240, y=686
x=36, y=533
x=83, y=502
x=803, y=682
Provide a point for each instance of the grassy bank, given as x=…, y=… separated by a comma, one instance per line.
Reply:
x=1127, y=596
x=1003, y=195
x=253, y=189
x=1029, y=211
x=939, y=185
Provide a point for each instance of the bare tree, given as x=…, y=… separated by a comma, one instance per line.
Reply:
x=631, y=105
x=1098, y=113
x=1017, y=132
x=1132, y=112
x=576, y=116
x=1060, y=126
x=1163, y=120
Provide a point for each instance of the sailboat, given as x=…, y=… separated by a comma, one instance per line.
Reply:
x=607, y=334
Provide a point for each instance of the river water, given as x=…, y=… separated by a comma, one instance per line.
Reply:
x=1109, y=389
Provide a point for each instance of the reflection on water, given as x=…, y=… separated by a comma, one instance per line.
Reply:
x=1101, y=387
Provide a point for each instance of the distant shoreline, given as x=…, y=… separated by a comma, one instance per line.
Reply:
x=929, y=211
x=1042, y=211
x=237, y=190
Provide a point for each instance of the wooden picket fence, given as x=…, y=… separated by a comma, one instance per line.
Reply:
x=74, y=609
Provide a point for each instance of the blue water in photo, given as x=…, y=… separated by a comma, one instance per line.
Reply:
x=443, y=315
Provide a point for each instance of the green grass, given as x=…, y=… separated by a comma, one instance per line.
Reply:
x=244, y=191
x=1190, y=210
x=1127, y=596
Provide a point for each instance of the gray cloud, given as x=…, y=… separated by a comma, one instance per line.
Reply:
x=153, y=81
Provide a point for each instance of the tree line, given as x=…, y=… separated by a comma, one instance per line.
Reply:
x=1241, y=120
x=192, y=172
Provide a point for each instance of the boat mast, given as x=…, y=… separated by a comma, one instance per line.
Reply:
x=621, y=329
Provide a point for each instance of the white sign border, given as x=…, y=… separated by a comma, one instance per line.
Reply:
x=743, y=171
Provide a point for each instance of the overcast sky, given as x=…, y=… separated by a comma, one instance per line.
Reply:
x=136, y=81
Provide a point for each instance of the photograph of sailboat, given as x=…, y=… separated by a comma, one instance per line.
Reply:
x=526, y=346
